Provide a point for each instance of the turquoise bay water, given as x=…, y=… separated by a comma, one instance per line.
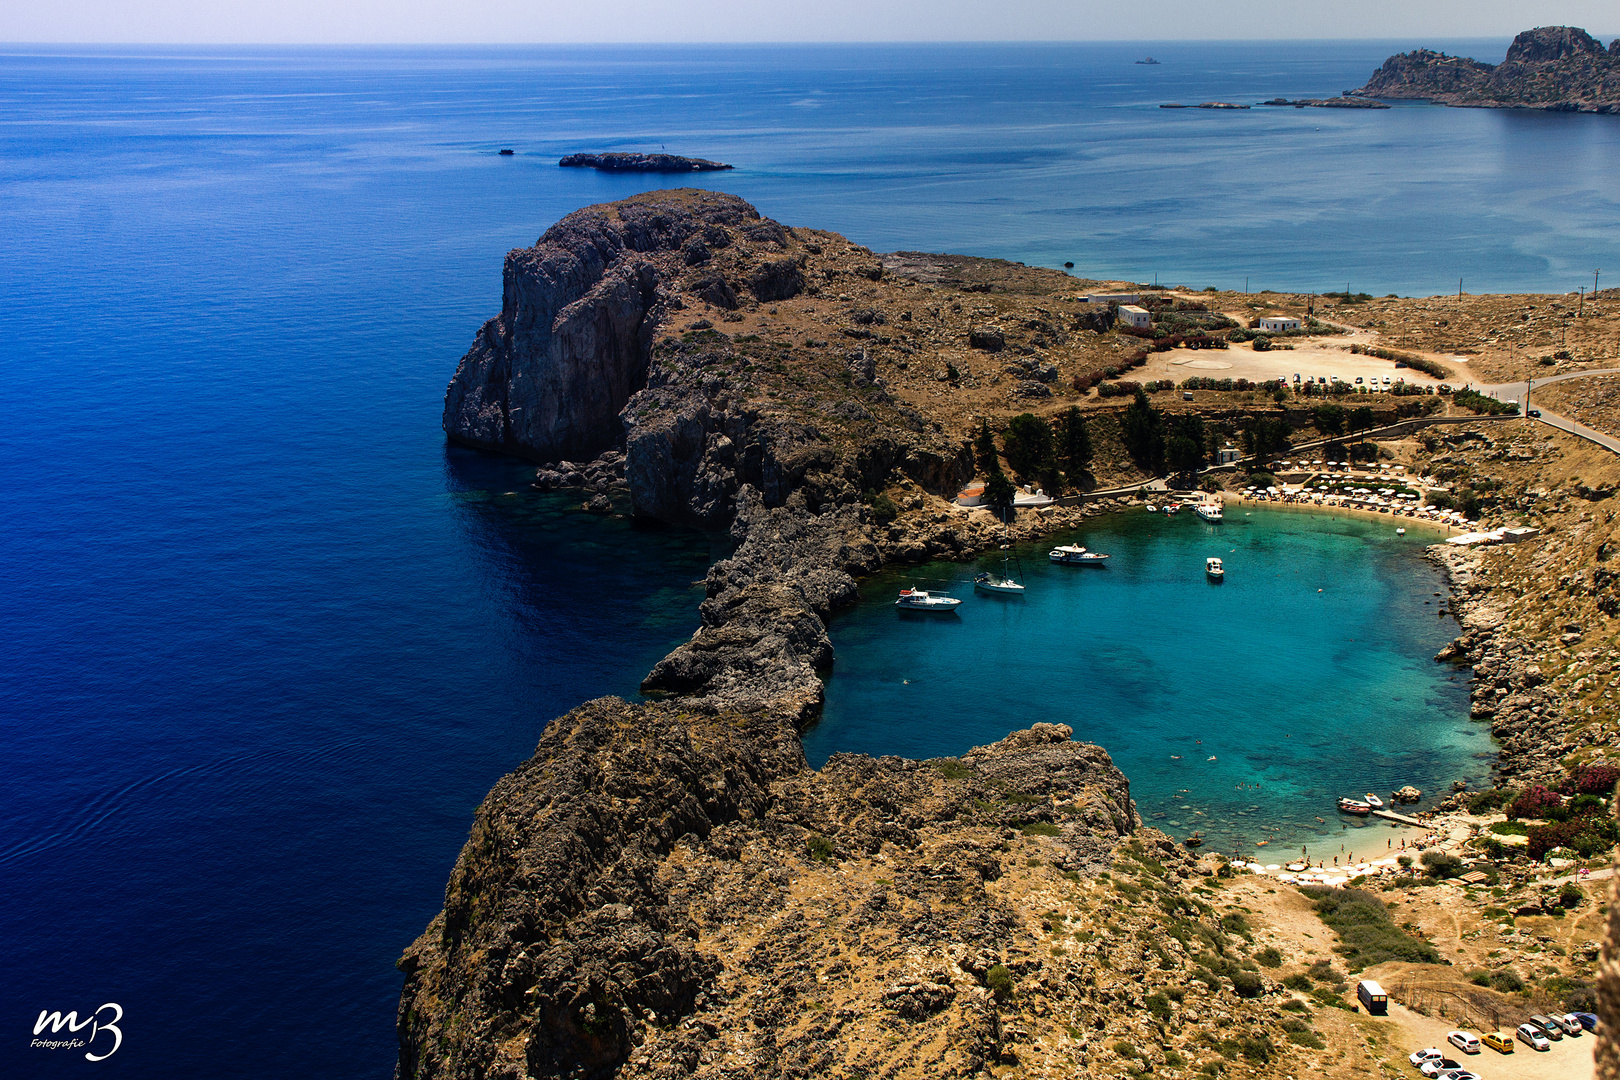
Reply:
x=1242, y=709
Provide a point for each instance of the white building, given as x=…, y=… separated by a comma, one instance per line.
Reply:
x=1113, y=298
x=1273, y=324
x=1131, y=315
x=1226, y=455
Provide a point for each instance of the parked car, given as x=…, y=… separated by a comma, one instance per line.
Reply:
x=1570, y=1025
x=1418, y=1057
x=1359, y=380
x=1549, y=1027
x=1435, y=1066
x=1534, y=414
x=1463, y=1041
x=1588, y=1020
x=1532, y=1037
x=1497, y=1041
x=1458, y=1074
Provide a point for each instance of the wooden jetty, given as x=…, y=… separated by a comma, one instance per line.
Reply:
x=1390, y=815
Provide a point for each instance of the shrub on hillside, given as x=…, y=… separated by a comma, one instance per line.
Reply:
x=1534, y=802
x=1592, y=780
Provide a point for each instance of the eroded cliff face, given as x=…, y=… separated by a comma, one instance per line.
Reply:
x=547, y=377
x=1551, y=67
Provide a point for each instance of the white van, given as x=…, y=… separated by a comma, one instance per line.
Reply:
x=1372, y=997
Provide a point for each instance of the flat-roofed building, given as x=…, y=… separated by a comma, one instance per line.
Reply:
x=1131, y=315
x=1276, y=324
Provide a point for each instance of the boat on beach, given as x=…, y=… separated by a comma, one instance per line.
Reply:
x=1354, y=806
x=1213, y=569
x=1209, y=511
x=923, y=600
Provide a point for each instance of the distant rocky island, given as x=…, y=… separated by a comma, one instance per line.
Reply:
x=654, y=163
x=1558, y=68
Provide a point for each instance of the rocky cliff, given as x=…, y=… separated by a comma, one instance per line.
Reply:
x=1561, y=68
x=665, y=888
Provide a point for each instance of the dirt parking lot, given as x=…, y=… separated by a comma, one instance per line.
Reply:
x=1570, y=1059
x=1311, y=357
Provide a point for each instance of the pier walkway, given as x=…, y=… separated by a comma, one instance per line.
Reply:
x=1390, y=815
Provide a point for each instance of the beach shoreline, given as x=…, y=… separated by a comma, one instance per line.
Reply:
x=1231, y=498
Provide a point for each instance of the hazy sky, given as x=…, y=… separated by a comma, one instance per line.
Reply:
x=448, y=21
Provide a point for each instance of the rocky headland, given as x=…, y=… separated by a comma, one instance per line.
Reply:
x=665, y=889
x=1559, y=68
x=648, y=163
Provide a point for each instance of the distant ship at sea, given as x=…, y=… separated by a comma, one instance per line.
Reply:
x=1149, y=60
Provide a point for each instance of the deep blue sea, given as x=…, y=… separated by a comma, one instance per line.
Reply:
x=265, y=641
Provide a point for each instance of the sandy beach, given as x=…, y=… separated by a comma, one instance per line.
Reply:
x=1442, y=529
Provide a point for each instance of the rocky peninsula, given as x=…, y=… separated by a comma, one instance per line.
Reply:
x=665, y=889
x=648, y=163
x=1558, y=68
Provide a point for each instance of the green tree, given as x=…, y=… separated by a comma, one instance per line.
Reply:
x=998, y=490
x=1184, y=443
x=1028, y=443
x=1074, y=443
x=1330, y=419
x=1144, y=434
x=1267, y=435
x=1361, y=419
x=984, y=450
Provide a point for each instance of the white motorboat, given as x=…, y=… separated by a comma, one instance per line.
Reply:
x=1213, y=568
x=1152, y=509
x=1401, y=531
x=1373, y=801
x=1171, y=508
x=990, y=583
x=1209, y=511
x=1079, y=556
x=923, y=600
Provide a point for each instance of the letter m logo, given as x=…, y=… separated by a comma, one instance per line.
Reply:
x=57, y=1021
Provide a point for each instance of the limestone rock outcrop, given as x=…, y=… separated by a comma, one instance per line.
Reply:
x=547, y=377
x=1561, y=68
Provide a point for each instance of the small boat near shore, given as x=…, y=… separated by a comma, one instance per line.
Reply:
x=1354, y=806
x=1373, y=801
x=923, y=600
x=990, y=583
x=1076, y=555
x=1214, y=570
x=1209, y=511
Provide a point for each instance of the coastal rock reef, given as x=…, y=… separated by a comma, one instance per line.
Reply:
x=1560, y=68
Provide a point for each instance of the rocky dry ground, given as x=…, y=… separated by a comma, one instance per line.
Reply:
x=665, y=889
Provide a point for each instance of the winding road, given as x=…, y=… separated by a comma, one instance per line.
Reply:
x=1515, y=392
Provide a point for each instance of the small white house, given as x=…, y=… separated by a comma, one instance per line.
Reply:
x=1226, y=455
x=1131, y=315
x=1113, y=298
x=1274, y=324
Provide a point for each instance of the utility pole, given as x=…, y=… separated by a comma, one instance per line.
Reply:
x=1459, y=290
x=1580, y=305
x=1245, y=286
x=1595, y=274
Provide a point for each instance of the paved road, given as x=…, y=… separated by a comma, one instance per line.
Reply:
x=1514, y=391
